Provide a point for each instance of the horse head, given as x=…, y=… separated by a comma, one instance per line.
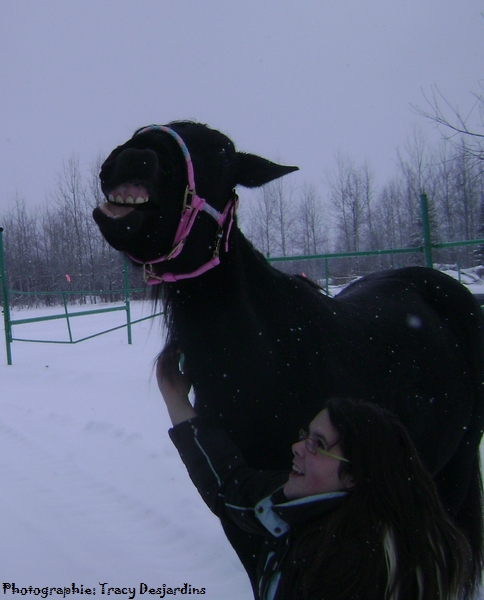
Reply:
x=166, y=181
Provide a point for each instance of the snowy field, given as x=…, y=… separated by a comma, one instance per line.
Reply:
x=92, y=490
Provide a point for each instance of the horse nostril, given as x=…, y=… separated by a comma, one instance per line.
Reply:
x=136, y=166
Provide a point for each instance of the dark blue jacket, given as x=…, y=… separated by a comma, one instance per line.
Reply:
x=251, y=499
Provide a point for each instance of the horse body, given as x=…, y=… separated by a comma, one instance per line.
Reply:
x=265, y=350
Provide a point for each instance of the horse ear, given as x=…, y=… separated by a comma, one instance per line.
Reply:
x=255, y=171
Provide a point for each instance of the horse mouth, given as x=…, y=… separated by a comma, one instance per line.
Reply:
x=123, y=200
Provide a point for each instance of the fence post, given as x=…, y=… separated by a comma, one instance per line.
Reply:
x=424, y=208
x=126, y=298
x=66, y=311
x=6, y=308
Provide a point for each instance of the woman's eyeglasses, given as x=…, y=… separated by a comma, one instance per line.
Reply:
x=315, y=446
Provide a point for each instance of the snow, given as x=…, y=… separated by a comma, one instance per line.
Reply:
x=92, y=490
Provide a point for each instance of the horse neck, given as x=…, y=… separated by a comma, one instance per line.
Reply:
x=225, y=290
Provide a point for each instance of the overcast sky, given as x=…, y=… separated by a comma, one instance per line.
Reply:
x=291, y=80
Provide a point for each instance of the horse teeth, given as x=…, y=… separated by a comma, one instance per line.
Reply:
x=138, y=200
x=120, y=199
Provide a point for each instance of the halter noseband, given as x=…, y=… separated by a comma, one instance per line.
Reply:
x=192, y=205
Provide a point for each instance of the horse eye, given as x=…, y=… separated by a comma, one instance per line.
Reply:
x=224, y=156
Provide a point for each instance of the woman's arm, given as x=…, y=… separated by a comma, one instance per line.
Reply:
x=215, y=465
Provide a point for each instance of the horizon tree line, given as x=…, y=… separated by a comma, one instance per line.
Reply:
x=58, y=247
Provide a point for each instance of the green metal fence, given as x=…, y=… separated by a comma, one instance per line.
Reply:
x=426, y=249
x=66, y=314
x=414, y=250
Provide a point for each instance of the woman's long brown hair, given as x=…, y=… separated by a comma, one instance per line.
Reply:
x=391, y=539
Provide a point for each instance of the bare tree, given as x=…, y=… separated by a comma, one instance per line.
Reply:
x=68, y=215
x=73, y=242
x=350, y=200
x=58, y=247
x=271, y=219
x=284, y=214
x=466, y=196
x=260, y=222
x=445, y=192
x=454, y=123
x=416, y=164
x=390, y=221
x=95, y=194
x=310, y=226
x=22, y=244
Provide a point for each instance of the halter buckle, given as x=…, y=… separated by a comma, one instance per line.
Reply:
x=191, y=193
x=149, y=275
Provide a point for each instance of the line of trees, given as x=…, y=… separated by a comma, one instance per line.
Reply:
x=58, y=246
x=356, y=215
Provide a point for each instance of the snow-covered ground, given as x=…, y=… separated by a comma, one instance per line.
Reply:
x=92, y=491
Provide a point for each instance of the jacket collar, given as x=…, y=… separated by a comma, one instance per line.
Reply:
x=296, y=512
x=278, y=514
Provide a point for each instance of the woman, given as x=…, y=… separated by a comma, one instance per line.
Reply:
x=357, y=518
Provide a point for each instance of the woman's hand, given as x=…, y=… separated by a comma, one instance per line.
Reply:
x=174, y=386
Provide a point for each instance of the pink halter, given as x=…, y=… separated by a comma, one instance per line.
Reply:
x=192, y=205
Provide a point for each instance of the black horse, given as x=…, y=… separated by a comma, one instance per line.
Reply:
x=264, y=350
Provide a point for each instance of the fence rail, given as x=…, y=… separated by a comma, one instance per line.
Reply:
x=83, y=313
x=414, y=250
x=67, y=315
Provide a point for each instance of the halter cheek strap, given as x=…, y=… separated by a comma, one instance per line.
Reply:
x=192, y=205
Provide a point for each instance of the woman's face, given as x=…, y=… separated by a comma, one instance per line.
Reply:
x=317, y=473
